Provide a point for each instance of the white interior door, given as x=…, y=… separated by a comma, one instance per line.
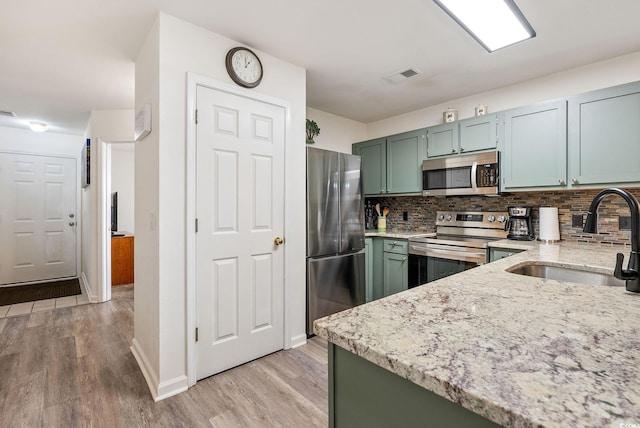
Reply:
x=37, y=218
x=240, y=211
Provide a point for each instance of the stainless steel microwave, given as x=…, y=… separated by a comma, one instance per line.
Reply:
x=474, y=174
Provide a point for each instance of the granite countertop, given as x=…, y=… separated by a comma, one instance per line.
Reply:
x=518, y=350
x=397, y=234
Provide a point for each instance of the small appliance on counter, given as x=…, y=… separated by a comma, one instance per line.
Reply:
x=518, y=225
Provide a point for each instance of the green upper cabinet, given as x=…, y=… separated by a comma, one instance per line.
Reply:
x=535, y=147
x=478, y=133
x=392, y=165
x=374, y=165
x=442, y=140
x=405, y=153
x=468, y=135
x=604, y=136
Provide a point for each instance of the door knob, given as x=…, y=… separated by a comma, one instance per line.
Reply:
x=71, y=223
x=278, y=241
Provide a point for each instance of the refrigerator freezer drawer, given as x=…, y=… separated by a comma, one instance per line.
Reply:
x=333, y=285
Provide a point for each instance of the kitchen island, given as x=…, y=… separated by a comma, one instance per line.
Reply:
x=508, y=349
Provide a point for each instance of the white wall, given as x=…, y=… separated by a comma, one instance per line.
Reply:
x=40, y=143
x=603, y=74
x=146, y=339
x=336, y=133
x=173, y=49
x=104, y=125
x=123, y=181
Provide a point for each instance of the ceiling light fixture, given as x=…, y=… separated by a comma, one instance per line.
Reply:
x=495, y=24
x=38, y=126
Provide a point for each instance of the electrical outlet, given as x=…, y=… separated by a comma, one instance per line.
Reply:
x=624, y=222
x=405, y=215
x=577, y=220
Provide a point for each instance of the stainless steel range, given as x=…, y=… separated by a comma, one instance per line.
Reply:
x=461, y=242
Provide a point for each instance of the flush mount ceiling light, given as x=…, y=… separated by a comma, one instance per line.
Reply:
x=38, y=126
x=493, y=23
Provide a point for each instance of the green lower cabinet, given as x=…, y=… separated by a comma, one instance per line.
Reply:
x=440, y=268
x=362, y=394
x=374, y=266
x=368, y=269
x=501, y=253
x=386, y=267
x=395, y=266
x=396, y=273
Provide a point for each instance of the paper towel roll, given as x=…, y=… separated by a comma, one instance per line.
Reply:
x=549, y=225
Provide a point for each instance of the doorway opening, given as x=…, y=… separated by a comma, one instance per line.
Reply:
x=116, y=205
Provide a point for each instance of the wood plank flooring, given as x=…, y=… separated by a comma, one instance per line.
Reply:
x=72, y=367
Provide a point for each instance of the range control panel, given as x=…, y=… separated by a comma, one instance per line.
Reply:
x=485, y=220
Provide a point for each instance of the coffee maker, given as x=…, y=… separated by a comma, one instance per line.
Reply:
x=518, y=224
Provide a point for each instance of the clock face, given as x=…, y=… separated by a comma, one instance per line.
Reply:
x=244, y=67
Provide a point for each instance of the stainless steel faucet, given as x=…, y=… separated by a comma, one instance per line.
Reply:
x=632, y=274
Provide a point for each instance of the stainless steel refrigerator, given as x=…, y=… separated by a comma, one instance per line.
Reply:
x=335, y=234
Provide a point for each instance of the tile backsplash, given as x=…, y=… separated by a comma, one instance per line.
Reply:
x=422, y=211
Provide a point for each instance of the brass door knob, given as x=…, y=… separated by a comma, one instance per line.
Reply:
x=278, y=241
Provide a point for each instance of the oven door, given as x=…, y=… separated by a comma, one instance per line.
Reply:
x=444, y=260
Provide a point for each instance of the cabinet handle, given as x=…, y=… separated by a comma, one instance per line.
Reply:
x=453, y=150
x=574, y=181
x=562, y=182
x=405, y=258
x=461, y=149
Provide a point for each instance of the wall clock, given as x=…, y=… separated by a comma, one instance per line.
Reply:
x=244, y=67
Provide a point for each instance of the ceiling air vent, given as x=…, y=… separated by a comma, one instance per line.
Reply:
x=403, y=75
x=7, y=113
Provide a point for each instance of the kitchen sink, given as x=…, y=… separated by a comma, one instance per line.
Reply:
x=566, y=274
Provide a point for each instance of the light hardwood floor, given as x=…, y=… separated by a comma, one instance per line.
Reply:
x=72, y=367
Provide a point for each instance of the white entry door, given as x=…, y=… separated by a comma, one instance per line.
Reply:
x=240, y=211
x=37, y=218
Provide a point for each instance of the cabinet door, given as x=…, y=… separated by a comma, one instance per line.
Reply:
x=404, y=162
x=442, y=140
x=501, y=253
x=374, y=165
x=478, y=133
x=604, y=136
x=396, y=273
x=377, y=268
x=368, y=269
x=535, y=146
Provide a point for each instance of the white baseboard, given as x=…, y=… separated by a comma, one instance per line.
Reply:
x=298, y=340
x=147, y=371
x=159, y=391
x=172, y=387
x=84, y=283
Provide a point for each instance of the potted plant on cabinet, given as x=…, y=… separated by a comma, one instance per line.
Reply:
x=312, y=131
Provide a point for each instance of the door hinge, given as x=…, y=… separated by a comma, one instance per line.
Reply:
x=196, y=116
x=196, y=225
x=196, y=334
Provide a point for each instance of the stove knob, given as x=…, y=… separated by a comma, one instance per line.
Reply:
x=449, y=217
x=502, y=219
x=491, y=218
x=441, y=217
